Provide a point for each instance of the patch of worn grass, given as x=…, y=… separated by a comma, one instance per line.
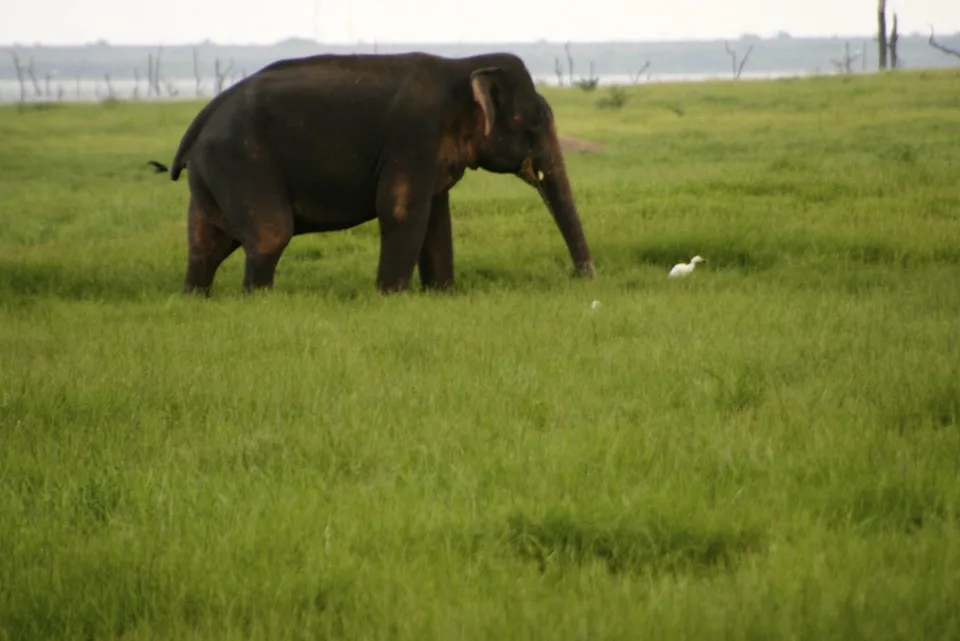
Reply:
x=767, y=449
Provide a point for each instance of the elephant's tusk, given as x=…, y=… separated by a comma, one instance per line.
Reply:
x=539, y=175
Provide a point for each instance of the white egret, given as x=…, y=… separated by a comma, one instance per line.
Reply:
x=681, y=270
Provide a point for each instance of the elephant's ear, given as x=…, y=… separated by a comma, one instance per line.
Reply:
x=482, y=82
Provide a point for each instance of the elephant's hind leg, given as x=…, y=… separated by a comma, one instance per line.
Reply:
x=266, y=231
x=259, y=214
x=207, y=247
x=244, y=182
x=272, y=235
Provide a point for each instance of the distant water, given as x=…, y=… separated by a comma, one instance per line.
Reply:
x=625, y=79
x=93, y=89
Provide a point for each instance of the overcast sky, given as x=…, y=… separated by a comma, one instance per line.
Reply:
x=266, y=21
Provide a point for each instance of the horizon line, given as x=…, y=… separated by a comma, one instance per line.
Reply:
x=103, y=42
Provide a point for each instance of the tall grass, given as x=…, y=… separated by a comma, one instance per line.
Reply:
x=766, y=450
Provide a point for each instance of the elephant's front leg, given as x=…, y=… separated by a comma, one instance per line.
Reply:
x=403, y=210
x=436, y=256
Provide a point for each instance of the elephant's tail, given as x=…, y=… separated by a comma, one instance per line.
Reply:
x=193, y=131
x=158, y=166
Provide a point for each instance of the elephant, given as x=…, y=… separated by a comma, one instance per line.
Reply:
x=328, y=142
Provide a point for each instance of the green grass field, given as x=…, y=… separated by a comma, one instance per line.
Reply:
x=769, y=449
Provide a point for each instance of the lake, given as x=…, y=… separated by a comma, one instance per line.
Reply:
x=92, y=89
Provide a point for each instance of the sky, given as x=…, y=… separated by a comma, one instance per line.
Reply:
x=58, y=22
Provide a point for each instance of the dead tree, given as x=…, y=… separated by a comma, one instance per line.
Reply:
x=196, y=71
x=845, y=64
x=19, y=69
x=737, y=69
x=33, y=79
x=220, y=75
x=636, y=78
x=882, y=33
x=136, y=83
x=155, y=72
x=110, y=95
x=566, y=48
x=894, y=39
x=939, y=47
x=558, y=69
x=47, y=77
x=590, y=82
x=149, y=75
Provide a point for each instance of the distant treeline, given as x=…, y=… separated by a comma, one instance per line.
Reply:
x=545, y=59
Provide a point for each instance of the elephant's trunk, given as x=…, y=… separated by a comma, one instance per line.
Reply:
x=547, y=172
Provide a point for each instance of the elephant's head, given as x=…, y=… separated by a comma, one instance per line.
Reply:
x=517, y=136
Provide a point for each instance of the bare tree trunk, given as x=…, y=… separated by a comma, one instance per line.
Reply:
x=845, y=65
x=149, y=75
x=635, y=79
x=558, y=69
x=221, y=75
x=733, y=56
x=23, y=88
x=894, y=38
x=196, y=70
x=882, y=33
x=939, y=47
x=737, y=69
x=743, y=62
x=37, y=92
x=566, y=48
x=136, y=83
x=106, y=77
x=47, y=77
x=156, y=72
